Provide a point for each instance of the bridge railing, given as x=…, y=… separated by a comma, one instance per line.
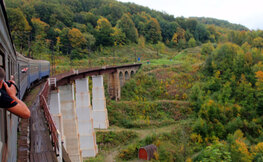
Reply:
x=51, y=125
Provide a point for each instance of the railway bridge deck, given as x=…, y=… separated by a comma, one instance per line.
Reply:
x=48, y=136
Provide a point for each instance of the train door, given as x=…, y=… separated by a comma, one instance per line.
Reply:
x=3, y=121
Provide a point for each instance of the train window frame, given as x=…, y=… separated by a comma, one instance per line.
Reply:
x=2, y=56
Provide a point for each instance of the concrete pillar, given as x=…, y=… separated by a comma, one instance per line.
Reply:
x=87, y=135
x=70, y=123
x=100, y=113
x=55, y=110
x=114, y=87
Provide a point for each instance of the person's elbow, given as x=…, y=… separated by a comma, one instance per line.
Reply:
x=20, y=110
x=26, y=114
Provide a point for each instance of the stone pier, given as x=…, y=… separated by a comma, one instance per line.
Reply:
x=87, y=135
x=70, y=123
x=100, y=113
x=114, y=87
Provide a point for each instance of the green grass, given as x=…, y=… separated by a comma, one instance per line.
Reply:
x=153, y=108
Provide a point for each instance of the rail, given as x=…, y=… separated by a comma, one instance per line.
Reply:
x=51, y=125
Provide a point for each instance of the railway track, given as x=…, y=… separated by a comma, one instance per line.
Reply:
x=34, y=137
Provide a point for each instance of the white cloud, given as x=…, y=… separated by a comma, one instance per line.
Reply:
x=245, y=12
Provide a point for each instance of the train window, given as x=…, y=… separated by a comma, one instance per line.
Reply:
x=9, y=68
x=1, y=61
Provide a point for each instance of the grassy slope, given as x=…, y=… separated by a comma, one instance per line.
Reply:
x=164, y=119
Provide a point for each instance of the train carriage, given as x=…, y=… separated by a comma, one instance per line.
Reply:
x=25, y=71
x=8, y=121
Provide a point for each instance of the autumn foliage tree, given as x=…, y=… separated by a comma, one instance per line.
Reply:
x=19, y=26
x=103, y=33
x=128, y=28
x=153, y=31
x=76, y=38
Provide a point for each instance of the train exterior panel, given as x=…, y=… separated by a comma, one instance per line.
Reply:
x=45, y=69
x=8, y=121
x=23, y=72
x=26, y=71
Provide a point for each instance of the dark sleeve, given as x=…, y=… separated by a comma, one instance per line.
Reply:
x=6, y=101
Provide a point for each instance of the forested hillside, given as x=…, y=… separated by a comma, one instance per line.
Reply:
x=77, y=27
x=199, y=98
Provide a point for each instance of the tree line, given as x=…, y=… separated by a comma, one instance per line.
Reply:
x=77, y=27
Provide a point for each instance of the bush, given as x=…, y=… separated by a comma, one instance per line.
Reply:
x=110, y=139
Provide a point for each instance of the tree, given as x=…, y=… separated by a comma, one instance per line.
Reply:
x=128, y=28
x=201, y=34
x=258, y=42
x=191, y=25
x=180, y=33
x=76, y=38
x=65, y=43
x=159, y=47
x=153, y=31
x=215, y=152
x=19, y=27
x=174, y=40
x=168, y=29
x=90, y=40
x=40, y=28
x=191, y=42
x=207, y=49
x=119, y=36
x=103, y=33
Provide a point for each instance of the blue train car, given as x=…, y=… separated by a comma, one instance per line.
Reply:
x=26, y=71
x=44, y=69
x=23, y=73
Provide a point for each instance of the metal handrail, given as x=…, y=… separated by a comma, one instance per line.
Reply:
x=51, y=125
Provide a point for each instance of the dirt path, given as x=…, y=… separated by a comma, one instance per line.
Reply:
x=142, y=133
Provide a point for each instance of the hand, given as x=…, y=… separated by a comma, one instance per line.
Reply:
x=11, y=91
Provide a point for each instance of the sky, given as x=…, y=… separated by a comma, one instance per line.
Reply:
x=245, y=12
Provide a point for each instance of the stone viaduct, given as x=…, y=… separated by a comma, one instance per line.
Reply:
x=76, y=111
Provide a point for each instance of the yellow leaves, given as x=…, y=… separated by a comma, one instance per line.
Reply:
x=210, y=103
x=188, y=160
x=259, y=75
x=184, y=96
x=157, y=143
x=240, y=148
x=258, y=42
x=76, y=38
x=156, y=155
x=141, y=41
x=119, y=36
x=217, y=74
x=259, y=148
x=174, y=39
x=197, y=138
x=58, y=40
x=180, y=32
x=40, y=25
x=103, y=23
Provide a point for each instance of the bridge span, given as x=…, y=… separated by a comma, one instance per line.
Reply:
x=75, y=112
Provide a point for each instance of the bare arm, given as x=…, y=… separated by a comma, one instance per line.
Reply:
x=20, y=109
